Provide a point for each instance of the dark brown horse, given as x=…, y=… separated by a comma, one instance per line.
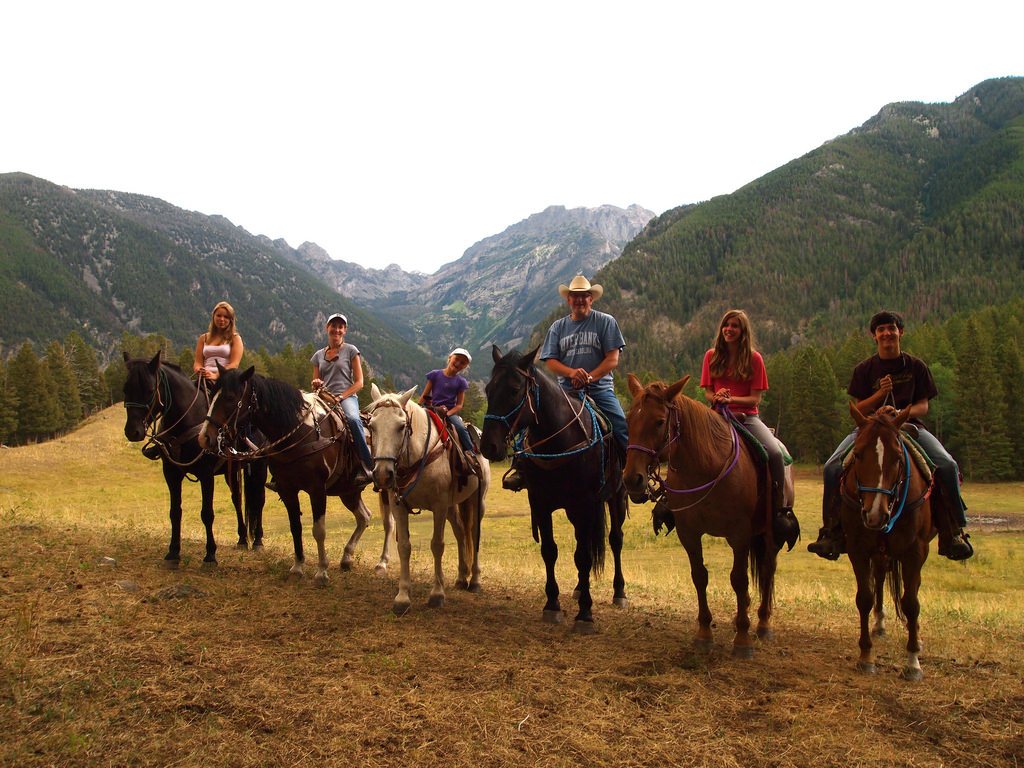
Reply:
x=888, y=523
x=309, y=450
x=713, y=487
x=158, y=393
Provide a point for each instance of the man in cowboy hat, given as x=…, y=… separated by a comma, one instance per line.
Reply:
x=582, y=349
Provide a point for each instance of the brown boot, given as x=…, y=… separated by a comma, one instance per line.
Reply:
x=661, y=516
x=513, y=481
x=954, y=544
x=831, y=542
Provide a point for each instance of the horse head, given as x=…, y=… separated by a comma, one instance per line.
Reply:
x=229, y=409
x=510, y=405
x=650, y=420
x=142, y=401
x=876, y=480
x=389, y=429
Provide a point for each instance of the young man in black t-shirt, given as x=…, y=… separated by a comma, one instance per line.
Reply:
x=895, y=379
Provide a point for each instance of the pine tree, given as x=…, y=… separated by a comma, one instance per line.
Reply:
x=91, y=389
x=8, y=407
x=65, y=388
x=38, y=411
x=816, y=406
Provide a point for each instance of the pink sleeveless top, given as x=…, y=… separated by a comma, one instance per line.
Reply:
x=216, y=353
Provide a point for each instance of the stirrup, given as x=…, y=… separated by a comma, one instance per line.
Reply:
x=661, y=516
x=785, y=527
x=513, y=481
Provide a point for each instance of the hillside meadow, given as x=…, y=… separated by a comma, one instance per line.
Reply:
x=108, y=659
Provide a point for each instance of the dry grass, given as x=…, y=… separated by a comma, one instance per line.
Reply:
x=253, y=669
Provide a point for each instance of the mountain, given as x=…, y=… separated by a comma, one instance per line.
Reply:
x=920, y=209
x=103, y=263
x=499, y=289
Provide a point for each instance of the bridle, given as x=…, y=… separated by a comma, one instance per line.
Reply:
x=414, y=470
x=898, y=491
x=155, y=409
x=657, y=485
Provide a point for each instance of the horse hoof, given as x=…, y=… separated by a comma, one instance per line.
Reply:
x=475, y=588
x=911, y=673
x=321, y=579
x=436, y=601
x=743, y=651
x=462, y=584
x=765, y=633
x=878, y=632
x=171, y=564
x=553, y=617
x=400, y=609
x=583, y=627
x=381, y=569
x=866, y=668
x=620, y=602
x=346, y=565
x=258, y=548
x=703, y=644
x=243, y=545
x=208, y=566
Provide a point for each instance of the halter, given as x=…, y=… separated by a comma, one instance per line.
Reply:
x=162, y=397
x=424, y=460
x=900, y=487
x=656, y=481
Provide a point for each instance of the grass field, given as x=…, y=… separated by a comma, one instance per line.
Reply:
x=108, y=659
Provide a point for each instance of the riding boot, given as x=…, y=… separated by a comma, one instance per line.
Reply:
x=513, y=481
x=661, y=515
x=271, y=484
x=831, y=542
x=785, y=527
x=953, y=542
x=152, y=451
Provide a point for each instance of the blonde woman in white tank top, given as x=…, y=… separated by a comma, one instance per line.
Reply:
x=219, y=344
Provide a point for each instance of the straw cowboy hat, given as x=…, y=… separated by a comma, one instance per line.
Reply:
x=580, y=284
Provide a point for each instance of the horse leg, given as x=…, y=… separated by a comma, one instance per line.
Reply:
x=743, y=641
x=765, y=561
x=233, y=478
x=549, y=551
x=460, y=517
x=911, y=605
x=472, y=512
x=584, y=560
x=255, y=499
x=704, y=639
x=318, y=501
x=206, y=514
x=436, y=599
x=867, y=584
x=878, y=611
x=402, y=601
x=353, y=499
x=173, y=477
x=388, y=520
x=617, y=514
x=290, y=499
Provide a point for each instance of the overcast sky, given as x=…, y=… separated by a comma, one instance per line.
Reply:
x=405, y=132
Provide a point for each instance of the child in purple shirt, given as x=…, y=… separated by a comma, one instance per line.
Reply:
x=446, y=392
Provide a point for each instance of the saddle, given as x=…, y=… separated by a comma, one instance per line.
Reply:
x=921, y=459
x=462, y=464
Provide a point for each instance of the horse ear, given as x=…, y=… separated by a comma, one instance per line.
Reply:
x=127, y=357
x=406, y=396
x=154, y=364
x=902, y=418
x=858, y=417
x=528, y=358
x=496, y=353
x=375, y=393
x=675, y=389
x=635, y=387
x=246, y=374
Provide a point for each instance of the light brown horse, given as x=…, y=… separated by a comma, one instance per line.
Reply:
x=887, y=518
x=712, y=485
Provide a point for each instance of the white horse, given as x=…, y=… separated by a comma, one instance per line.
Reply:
x=413, y=466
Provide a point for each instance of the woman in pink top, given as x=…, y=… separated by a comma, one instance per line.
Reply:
x=221, y=344
x=733, y=375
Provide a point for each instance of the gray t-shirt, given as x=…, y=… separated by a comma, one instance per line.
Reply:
x=336, y=373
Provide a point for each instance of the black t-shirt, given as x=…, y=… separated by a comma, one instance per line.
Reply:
x=911, y=379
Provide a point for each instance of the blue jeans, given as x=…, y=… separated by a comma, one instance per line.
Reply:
x=350, y=405
x=460, y=427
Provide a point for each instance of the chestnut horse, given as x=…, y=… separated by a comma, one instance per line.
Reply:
x=412, y=464
x=309, y=449
x=887, y=518
x=568, y=463
x=712, y=487
x=158, y=390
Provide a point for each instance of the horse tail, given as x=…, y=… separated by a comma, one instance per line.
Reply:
x=598, y=532
x=763, y=561
x=894, y=575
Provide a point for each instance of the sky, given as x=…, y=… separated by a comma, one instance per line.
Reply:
x=405, y=132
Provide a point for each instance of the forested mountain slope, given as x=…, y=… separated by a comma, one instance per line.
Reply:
x=920, y=209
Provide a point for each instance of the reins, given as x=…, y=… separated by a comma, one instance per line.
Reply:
x=411, y=470
x=156, y=408
x=656, y=481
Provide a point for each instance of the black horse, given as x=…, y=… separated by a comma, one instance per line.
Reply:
x=567, y=463
x=156, y=389
x=309, y=449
